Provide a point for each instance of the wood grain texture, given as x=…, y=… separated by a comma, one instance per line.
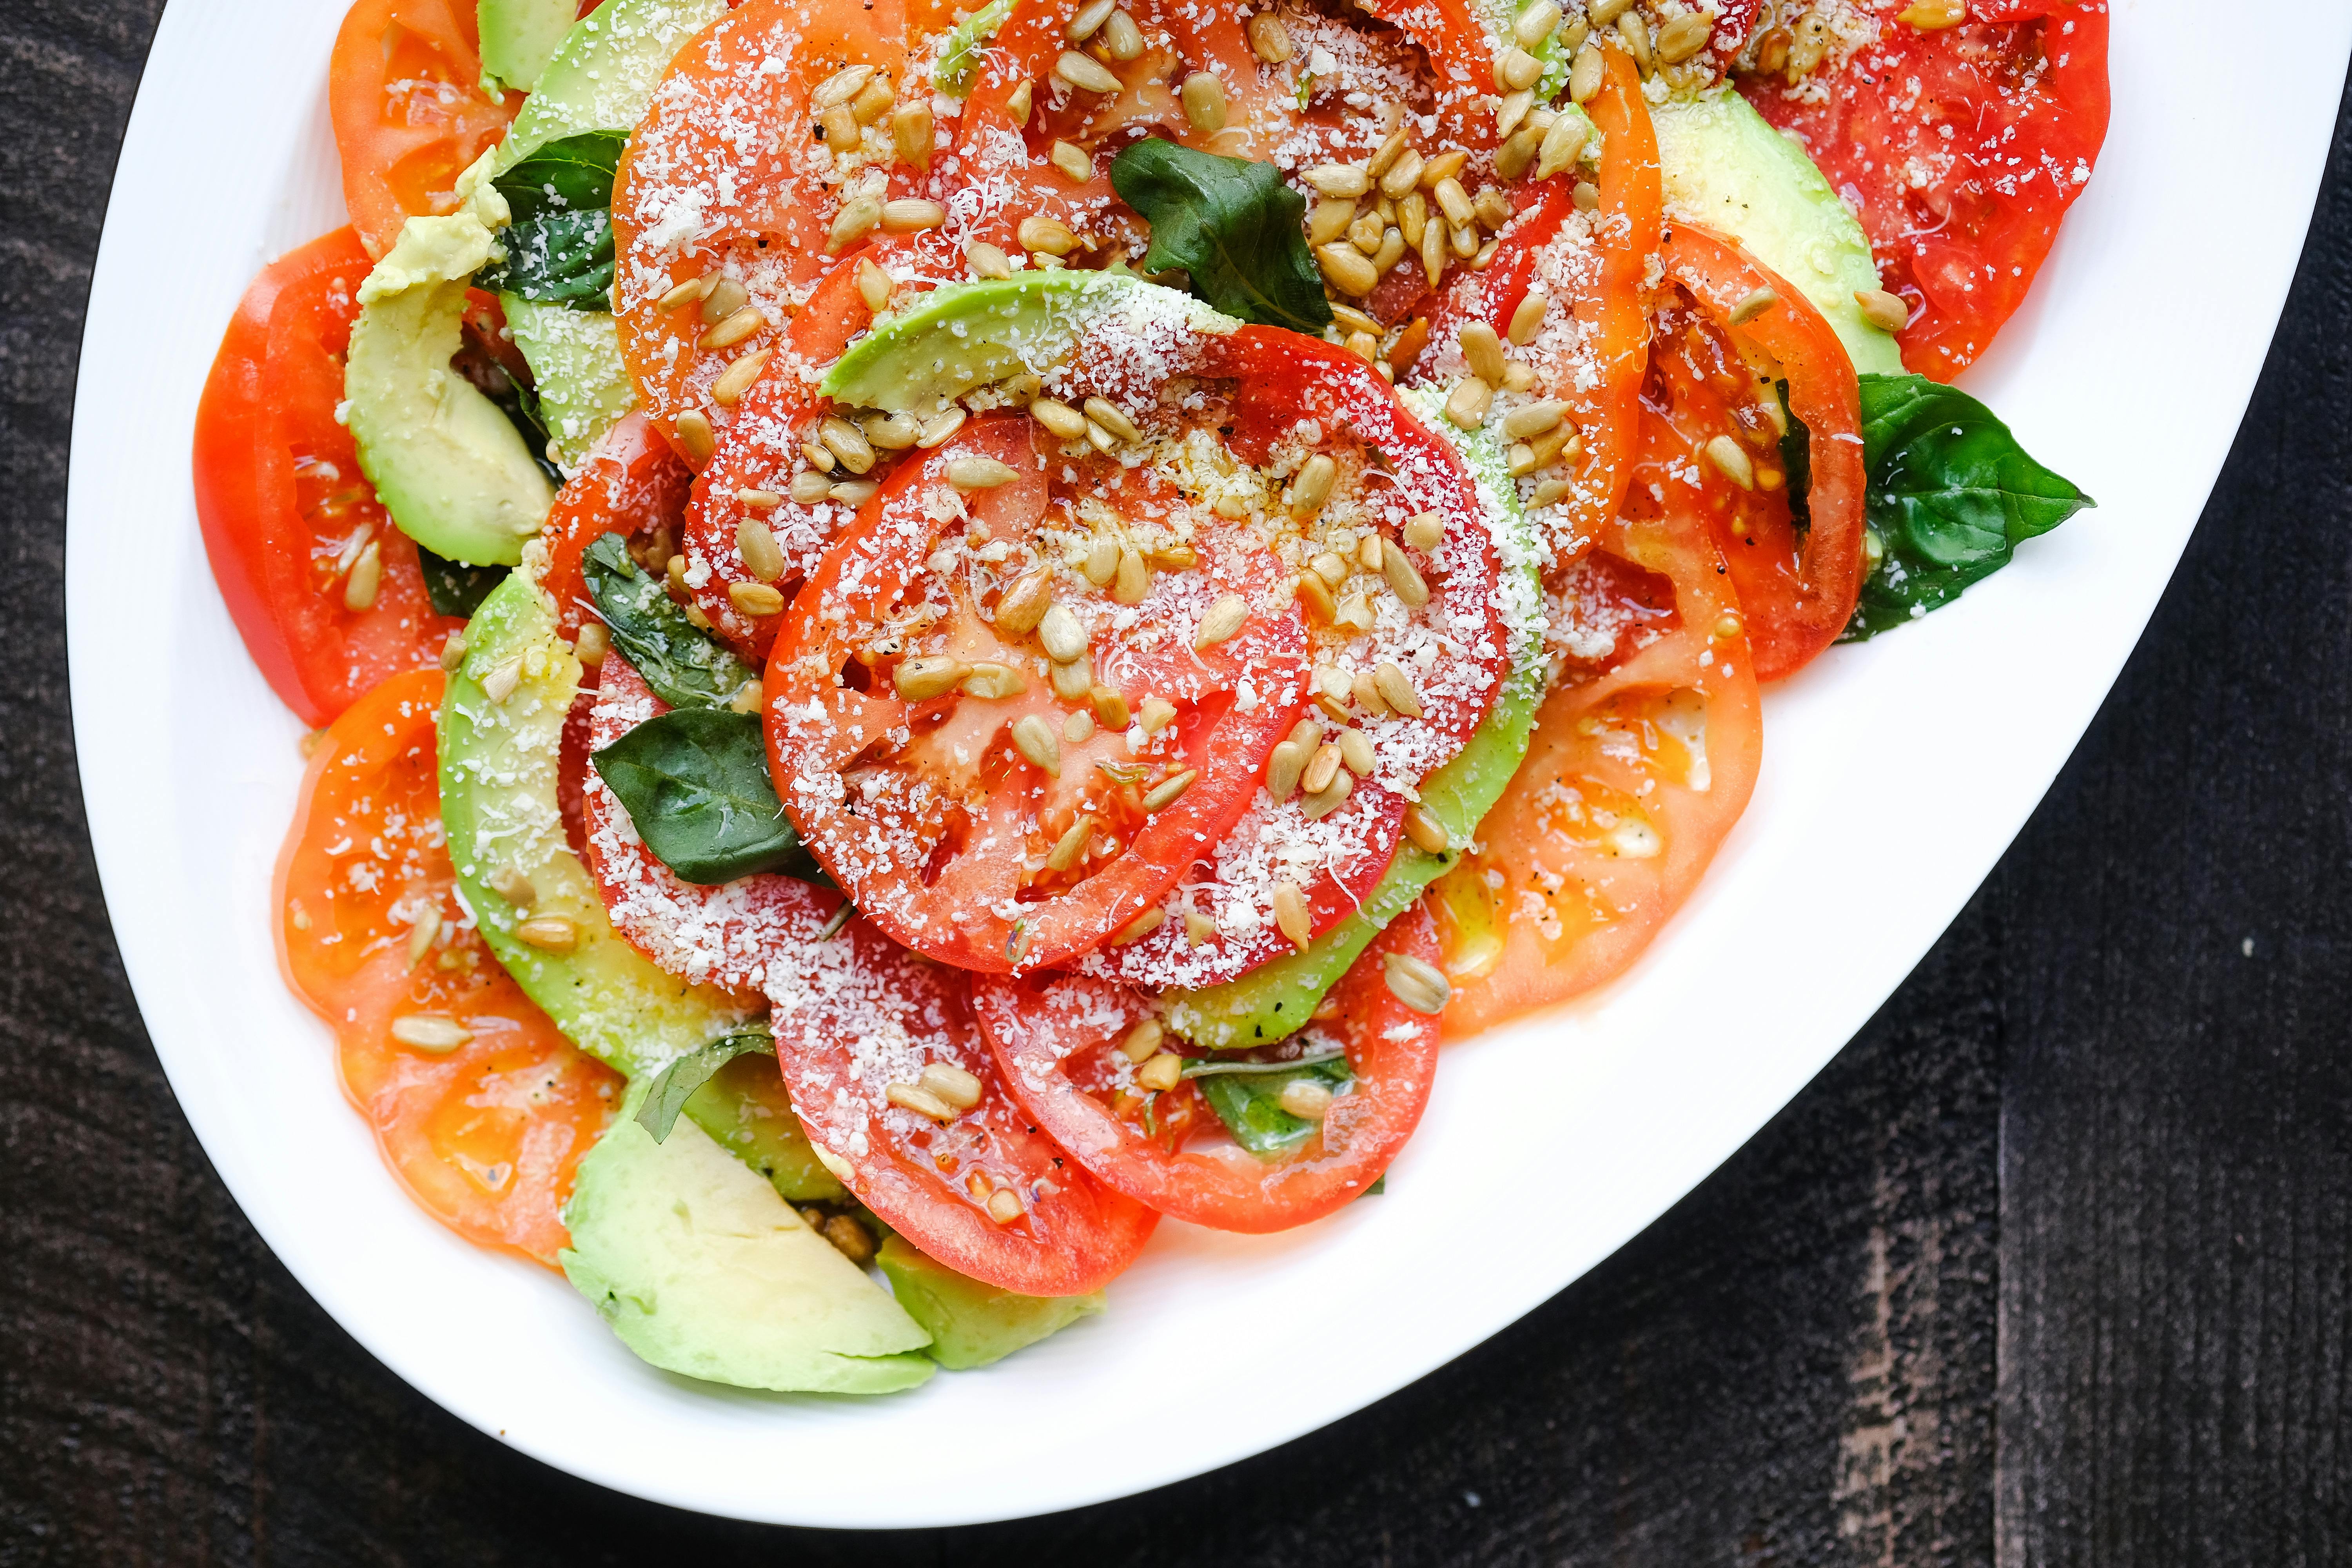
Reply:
x=2176, y=1153
x=1796, y=1366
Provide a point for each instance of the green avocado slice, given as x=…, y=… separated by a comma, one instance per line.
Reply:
x=972, y=1323
x=701, y=1268
x=1276, y=1000
x=968, y=335
x=447, y=465
x=499, y=761
x=1727, y=168
x=599, y=78
x=519, y=38
x=700, y=1265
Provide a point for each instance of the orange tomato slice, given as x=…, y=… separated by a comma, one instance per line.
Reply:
x=479, y=1105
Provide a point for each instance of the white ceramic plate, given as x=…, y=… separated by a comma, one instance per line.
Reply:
x=2127, y=371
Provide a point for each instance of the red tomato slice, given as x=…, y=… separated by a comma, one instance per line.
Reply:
x=1712, y=380
x=405, y=92
x=730, y=176
x=1432, y=61
x=1961, y=148
x=288, y=517
x=758, y=452
x=1592, y=347
x=857, y=1021
x=633, y=484
x=1452, y=647
x=1643, y=757
x=483, y=1121
x=726, y=935
x=927, y=812
x=1056, y=1044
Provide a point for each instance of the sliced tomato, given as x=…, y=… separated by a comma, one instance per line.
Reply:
x=1427, y=60
x=1643, y=757
x=758, y=450
x=1713, y=381
x=404, y=90
x=857, y=1021
x=730, y=180
x=1003, y=173
x=1223, y=921
x=724, y=935
x=632, y=483
x=1056, y=1042
x=1592, y=347
x=1961, y=148
x=292, y=528
x=484, y=1111
x=927, y=811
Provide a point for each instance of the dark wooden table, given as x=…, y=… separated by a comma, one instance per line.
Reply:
x=2051, y=1266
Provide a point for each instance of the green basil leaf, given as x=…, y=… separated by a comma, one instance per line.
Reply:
x=1951, y=496
x=558, y=244
x=695, y=782
x=1233, y=225
x=675, y=1084
x=1250, y=1104
x=456, y=588
x=685, y=667
x=1796, y=460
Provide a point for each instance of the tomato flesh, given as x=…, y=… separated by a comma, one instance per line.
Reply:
x=1643, y=757
x=1961, y=148
x=404, y=93
x=859, y=1017
x=730, y=176
x=926, y=810
x=1056, y=1044
x=1713, y=381
x=1591, y=349
x=630, y=484
x=484, y=1122
x=1224, y=921
x=288, y=517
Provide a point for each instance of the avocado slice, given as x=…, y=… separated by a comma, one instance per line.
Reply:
x=968, y=336
x=971, y=1323
x=499, y=766
x=745, y=1109
x=599, y=78
x=1276, y=999
x=960, y=55
x=447, y=465
x=519, y=38
x=1725, y=167
x=701, y=1268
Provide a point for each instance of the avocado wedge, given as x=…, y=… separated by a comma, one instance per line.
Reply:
x=1728, y=169
x=702, y=1270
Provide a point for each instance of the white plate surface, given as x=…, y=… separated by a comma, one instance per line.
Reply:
x=2127, y=371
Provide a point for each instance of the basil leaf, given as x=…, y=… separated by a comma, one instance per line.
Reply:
x=1951, y=496
x=675, y=1084
x=1250, y=1104
x=559, y=243
x=1233, y=225
x=456, y=588
x=1796, y=460
x=685, y=667
x=695, y=782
